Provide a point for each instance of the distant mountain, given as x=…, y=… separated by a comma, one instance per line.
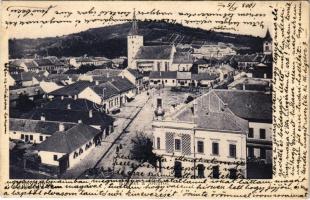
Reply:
x=111, y=41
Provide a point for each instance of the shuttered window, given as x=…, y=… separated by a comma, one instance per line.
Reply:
x=232, y=150
x=169, y=142
x=186, y=144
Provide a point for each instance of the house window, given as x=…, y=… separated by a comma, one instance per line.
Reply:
x=158, y=143
x=55, y=157
x=262, y=153
x=251, y=133
x=166, y=81
x=41, y=138
x=177, y=144
x=262, y=133
x=158, y=66
x=22, y=136
x=201, y=171
x=31, y=137
x=215, y=172
x=215, y=148
x=232, y=150
x=172, y=81
x=200, y=147
x=75, y=155
x=232, y=173
x=251, y=152
x=166, y=66
x=80, y=151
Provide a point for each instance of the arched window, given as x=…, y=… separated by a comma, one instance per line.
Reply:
x=81, y=151
x=201, y=170
x=177, y=169
x=158, y=143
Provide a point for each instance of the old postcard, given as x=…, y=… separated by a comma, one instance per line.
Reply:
x=155, y=99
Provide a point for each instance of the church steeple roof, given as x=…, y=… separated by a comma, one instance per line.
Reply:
x=134, y=26
x=268, y=36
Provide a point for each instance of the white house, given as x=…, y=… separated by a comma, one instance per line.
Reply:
x=256, y=108
x=134, y=76
x=202, y=139
x=163, y=78
x=111, y=95
x=34, y=131
x=66, y=148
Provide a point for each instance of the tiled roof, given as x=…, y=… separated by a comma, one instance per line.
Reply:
x=182, y=58
x=135, y=73
x=165, y=75
x=72, y=89
x=201, y=62
x=105, y=72
x=74, y=104
x=23, y=76
x=31, y=65
x=122, y=84
x=209, y=117
x=72, y=116
x=184, y=75
x=36, y=126
x=204, y=76
x=105, y=90
x=70, y=140
x=250, y=105
x=44, y=62
x=154, y=52
x=224, y=121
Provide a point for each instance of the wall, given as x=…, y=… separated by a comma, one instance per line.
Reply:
x=48, y=157
x=90, y=95
x=134, y=42
x=223, y=138
x=256, y=139
x=16, y=135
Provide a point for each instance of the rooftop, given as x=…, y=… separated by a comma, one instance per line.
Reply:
x=70, y=140
x=36, y=126
x=165, y=75
x=162, y=52
x=72, y=89
x=71, y=116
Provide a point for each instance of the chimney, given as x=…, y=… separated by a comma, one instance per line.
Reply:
x=243, y=86
x=75, y=97
x=90, y=113
x=108, y=75
x=61, y=127
x=62, y=97
x=69, y=106
x=42, y=117
x=80, y=121
x=97, y=82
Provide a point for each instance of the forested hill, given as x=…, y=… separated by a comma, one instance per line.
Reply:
x=111, y=42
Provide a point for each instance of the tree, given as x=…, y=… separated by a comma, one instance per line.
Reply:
x=142, y=149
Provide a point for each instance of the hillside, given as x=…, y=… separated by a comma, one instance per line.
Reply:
x=111, y=41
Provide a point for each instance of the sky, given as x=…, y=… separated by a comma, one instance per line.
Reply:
x=13, y=12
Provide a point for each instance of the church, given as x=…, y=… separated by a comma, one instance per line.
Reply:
x=148, y=58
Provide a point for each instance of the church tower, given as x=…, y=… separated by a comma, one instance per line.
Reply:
x=267, y=45
x=134, y=42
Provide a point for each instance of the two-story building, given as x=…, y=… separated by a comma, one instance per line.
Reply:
x=203, y=139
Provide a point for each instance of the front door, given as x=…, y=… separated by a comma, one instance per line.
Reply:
x=26, y=138
x=63, y=163
x=177, y=169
